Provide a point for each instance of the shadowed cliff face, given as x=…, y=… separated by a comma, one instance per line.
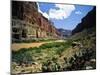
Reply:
x=87, y=22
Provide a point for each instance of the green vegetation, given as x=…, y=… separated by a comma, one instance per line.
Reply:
x=49, y=48
x=58, y=56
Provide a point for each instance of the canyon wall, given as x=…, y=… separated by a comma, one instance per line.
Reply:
x=28, y=23
x=87, y=22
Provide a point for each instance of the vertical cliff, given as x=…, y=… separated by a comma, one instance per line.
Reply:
x=28, y=23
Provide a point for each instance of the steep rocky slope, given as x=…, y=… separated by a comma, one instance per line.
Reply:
x=87, y=22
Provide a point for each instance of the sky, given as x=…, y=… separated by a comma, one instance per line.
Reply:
x=64, y=15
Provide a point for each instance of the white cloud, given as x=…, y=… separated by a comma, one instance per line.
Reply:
x=78, y=12
x=43, y=13
x=60, y=11
x=46, y=15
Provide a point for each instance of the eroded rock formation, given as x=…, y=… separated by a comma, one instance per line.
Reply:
x=28, y=23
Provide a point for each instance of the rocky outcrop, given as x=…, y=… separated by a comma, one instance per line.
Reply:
x=28, y=23
x=87, y=22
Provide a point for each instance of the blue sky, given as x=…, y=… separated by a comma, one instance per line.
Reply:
x=63, y=15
